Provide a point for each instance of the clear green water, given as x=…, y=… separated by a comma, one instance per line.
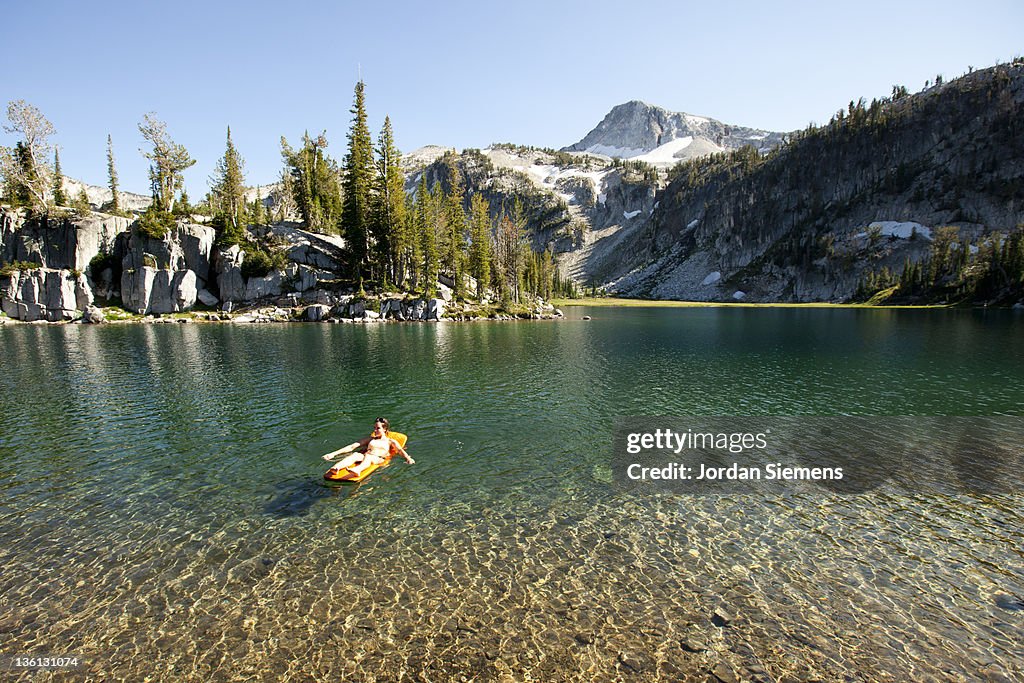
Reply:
x=163, y=514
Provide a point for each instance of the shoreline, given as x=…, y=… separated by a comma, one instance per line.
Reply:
x=674, y=303
x=267, y=315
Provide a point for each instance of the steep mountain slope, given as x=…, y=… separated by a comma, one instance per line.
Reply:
x=577, y=205
x=808, y=220
x=637, y=130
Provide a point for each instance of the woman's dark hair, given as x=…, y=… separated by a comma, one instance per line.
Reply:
x=383, y=421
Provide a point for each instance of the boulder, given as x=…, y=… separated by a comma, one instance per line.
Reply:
x=357, y=309
x=263, y=287
x=312, y=249
x=93, y=316
x=183, y=290
x=415, y=310
x=317, y=312
x=149, y=290
x=445, y=291
x=137, y=288
x=207, y=298
x=196, y=249
x=228, y=266
x=391, y=308
x=435, y=309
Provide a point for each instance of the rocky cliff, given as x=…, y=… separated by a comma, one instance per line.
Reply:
x=574, y=203
x=806, y=221
x=636, y=129
x=55, y=270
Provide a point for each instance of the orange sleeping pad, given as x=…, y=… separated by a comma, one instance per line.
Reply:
x=345, y=475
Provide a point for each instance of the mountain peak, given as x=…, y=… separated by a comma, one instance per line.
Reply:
x=638, y=129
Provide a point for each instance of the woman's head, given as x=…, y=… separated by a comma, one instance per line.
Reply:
x=383, y=423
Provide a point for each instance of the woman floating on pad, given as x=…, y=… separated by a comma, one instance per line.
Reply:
x=368, y=452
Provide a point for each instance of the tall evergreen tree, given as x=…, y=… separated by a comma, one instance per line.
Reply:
x=355, y=214
x=511, y=249
x=413, y=252
x=168, y=159
x=115, y=202
x=227, y=189
x=426, y=223
x=480, y=246
x=311, y=180
x=389, y=215
x=454, y=243
x=59, y=198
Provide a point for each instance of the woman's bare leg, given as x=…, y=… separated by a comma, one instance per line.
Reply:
x=348, y=461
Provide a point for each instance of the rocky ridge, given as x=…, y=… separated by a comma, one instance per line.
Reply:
x=637, y=129
x=865, y=193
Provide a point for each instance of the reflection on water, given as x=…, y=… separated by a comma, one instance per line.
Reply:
x=163, y=512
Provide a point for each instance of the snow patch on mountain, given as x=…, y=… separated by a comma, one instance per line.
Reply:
x=547, y=175
x=667, y=153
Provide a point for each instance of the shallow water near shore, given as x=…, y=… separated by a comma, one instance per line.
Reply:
x=163, y=512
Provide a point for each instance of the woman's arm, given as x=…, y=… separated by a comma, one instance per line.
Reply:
x=401, y=451
x=348, y=449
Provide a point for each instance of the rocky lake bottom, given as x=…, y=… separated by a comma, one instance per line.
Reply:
x=164, y=514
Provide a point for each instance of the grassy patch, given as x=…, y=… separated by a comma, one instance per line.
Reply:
x=11, y=268
x=116, y=314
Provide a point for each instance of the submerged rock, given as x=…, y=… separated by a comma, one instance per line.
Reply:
x=1008, y=602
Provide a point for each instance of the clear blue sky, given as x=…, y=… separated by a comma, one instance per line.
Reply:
x=461, y=74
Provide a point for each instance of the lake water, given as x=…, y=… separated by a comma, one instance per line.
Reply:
x=163, y=512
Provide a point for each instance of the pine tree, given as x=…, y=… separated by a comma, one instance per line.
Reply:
x=183, y=207
x=81, y=203
x=355, y=214
x=258, y=212
x=169, y=160
x=518, y=250
x=480, y=247
x=454, y=244
x=115, y=202
x=227, y=187
x=426, y=217
x=59, y=198
x=413, y=253
x=389, y=215
x=311, y=180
